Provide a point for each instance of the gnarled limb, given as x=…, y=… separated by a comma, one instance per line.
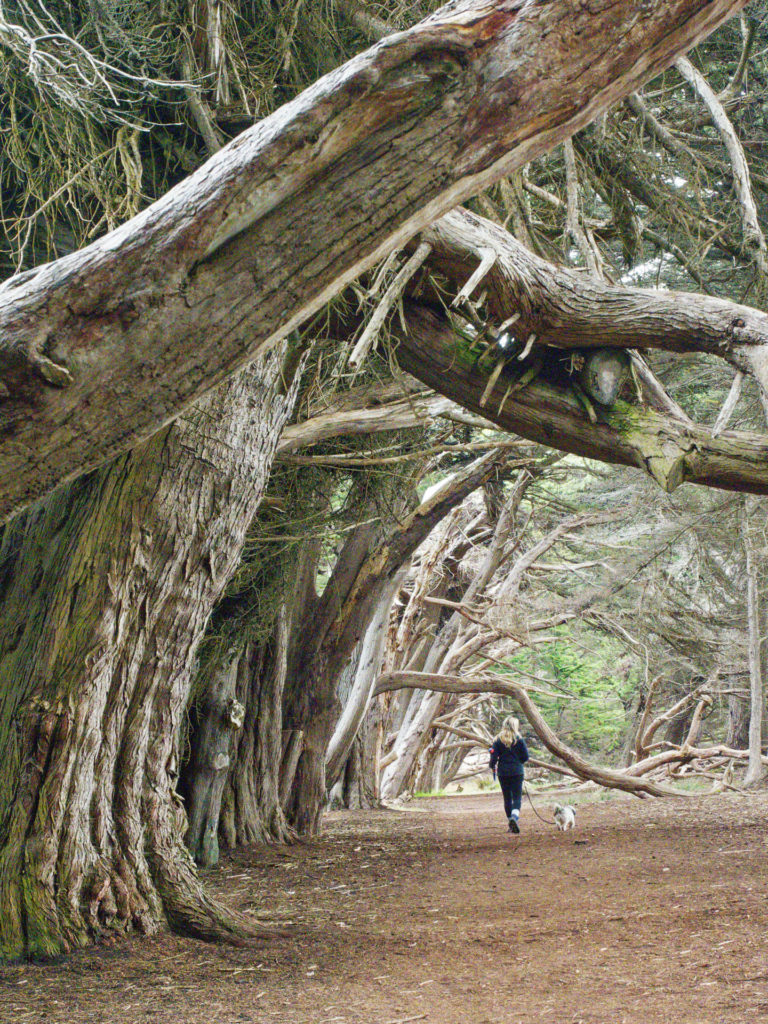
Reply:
x=102, y=347
x=671, y=452
x=495, y=684
x=568, y=309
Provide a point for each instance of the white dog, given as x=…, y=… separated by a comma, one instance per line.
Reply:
x=565, y=817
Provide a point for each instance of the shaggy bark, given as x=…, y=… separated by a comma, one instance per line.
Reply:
x=251, y=811
x=106, y=590
x=220, y=718
x=104, y=346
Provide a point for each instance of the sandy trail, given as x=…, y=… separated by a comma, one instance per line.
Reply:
x=649, y=912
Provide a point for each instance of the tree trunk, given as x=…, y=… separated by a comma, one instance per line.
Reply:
x=106, y=591
x=738, y=722
x=104, y=346
x=293, y=743
x=305, y=805
x=342, y=619
x=359, y=697
x=220, y=717
x=252, y=812
x=754, y=773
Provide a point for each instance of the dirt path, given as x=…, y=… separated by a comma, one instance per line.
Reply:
x=649, y=912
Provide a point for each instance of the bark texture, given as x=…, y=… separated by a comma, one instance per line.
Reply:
x=252, y=811
x=106, y=590
x=754, y=774
x=104, y=346
x=220, y=717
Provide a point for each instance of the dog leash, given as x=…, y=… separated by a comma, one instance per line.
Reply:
x=545, y=820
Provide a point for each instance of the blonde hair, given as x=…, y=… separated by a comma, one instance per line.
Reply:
x=510, y=730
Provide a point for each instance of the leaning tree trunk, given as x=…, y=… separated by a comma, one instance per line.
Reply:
x=342, y=619
x=367, y=666
x=754, y=773
x=106, y=591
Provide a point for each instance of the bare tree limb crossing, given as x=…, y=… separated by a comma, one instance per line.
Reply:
x=101, y=348
x=671, y=452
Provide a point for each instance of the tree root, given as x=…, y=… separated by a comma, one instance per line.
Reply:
x=193, y=912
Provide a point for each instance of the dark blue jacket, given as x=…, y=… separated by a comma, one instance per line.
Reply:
x=509, y=760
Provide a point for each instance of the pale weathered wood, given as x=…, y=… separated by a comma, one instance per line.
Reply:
x=446, y=683
x=104, y=346
x=754, y=773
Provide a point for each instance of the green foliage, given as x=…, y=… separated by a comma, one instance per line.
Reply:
x=596, y=685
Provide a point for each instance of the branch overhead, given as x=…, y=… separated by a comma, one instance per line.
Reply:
x=670, y=451
x=101, y=348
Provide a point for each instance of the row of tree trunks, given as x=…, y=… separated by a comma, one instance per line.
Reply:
x=232, y=787
x=106, y=590
x=440, y=657
x=342, y=620
x=102, y=347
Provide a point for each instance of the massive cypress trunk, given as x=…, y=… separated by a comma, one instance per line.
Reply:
x=106, y=590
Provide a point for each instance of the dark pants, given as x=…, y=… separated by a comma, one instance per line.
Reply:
x=512, y=788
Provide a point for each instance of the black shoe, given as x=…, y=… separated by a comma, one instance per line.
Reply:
x=513, y=826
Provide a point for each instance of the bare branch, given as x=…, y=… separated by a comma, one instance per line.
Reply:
x=372, y=329
x=730, y=403
x=754, y=240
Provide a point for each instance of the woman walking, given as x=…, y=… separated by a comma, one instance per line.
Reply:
x=508, y=755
